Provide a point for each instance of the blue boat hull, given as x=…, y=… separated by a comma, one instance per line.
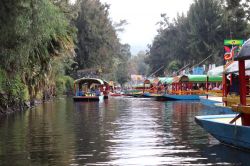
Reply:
x=230, y=134
x=147, y=95
x=208, y=102
x=180, y=97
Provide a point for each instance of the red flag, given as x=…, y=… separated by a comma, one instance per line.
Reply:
x=227, y=49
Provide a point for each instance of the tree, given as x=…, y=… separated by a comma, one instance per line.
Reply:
x=33, y=34
x=192, y=38
x=137, y=64
x=98, y=44
x=122, y=74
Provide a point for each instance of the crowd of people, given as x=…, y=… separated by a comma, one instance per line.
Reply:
x=94, y=91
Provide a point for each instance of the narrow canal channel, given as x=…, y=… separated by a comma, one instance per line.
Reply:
x=118, y=131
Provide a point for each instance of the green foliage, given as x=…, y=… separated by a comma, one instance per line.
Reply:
x=2, y=78
x=192, y=38
x=122, y=73
x=37, y=46
x=174, y=66
x=64, y=84
x=98, y=45
x=137, y=64
x=17, y=89
x=34, y=34
x=60, y=86
x=69, y=83
x=13, y=92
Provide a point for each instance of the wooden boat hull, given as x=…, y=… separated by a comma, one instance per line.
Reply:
x=116, y=94
x=87, y=98
x=229, y=134
x=211, y=103
x=151, y=95
x=137, y=95
x=168, y=97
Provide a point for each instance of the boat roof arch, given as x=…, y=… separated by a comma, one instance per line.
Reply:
x=89, y=80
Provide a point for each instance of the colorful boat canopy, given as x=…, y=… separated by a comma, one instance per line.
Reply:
x=198, y=78
x=215, y=79
x=234, y=67
x=217, y=71
x=244, y=53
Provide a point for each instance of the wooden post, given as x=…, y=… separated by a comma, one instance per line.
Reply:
x=245, y=118
x=207, y=87
x=75, y=89
x=224, y=85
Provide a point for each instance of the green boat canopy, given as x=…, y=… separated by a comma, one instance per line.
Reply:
x=215, y=79
x=200, y=78
x=197, y=78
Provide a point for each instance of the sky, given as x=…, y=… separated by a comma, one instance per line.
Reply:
x=142, y=16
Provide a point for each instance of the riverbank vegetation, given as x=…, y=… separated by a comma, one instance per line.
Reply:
x=199, y=34
x=44, y=42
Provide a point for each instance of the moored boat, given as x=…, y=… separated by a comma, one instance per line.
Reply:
x=219, y=126
x=212, y=101
x=234, y=129
x=116, y=94
x=88, y=98
x=150, y=95
x=179, y=97
x=88, y=89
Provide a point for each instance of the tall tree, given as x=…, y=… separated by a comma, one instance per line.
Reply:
x=98, y=41
x=33, y=34
x=199, y=35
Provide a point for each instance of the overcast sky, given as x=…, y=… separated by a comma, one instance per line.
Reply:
x=142, y=16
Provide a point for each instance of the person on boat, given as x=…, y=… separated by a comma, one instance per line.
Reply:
x=216, y=88
x=220, y=86
x=92, y=91
x=234, y=88
x=159, y=89
x=210, y=87
x=195, y=87
x=97, y=92
x=80, y=93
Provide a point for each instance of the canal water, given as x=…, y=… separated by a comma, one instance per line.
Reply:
x=119, y=131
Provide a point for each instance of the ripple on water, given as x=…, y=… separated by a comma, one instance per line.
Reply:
x=118, y=131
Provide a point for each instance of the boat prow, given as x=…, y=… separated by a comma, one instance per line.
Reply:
x=219, y=126
x=88, y=98
x=169, y=97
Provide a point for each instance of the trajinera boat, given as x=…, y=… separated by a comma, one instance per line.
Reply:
x=89, y=89
x=155, y=87
x=233, y=129
x=190, y=87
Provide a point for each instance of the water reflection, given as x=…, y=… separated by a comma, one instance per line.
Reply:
x=118, y=131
